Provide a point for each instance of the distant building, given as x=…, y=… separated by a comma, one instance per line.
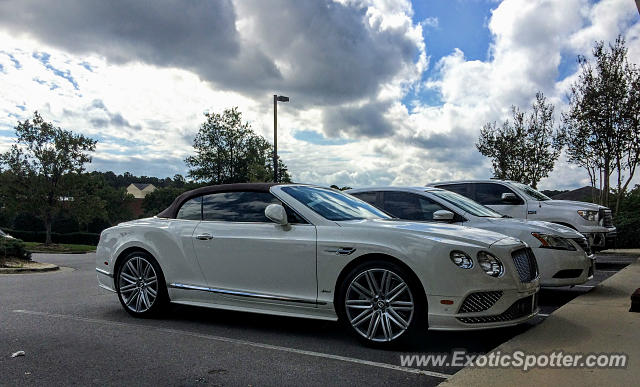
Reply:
x=139, y=190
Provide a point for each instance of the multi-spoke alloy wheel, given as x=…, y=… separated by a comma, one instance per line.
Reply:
x=138, y=284
x=379, y=304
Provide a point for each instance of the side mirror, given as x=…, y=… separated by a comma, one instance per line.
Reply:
x=509, y=197
x=443, y=215
x=277, y=214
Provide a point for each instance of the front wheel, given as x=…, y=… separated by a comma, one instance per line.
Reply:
x=140, y=285
x=381, y=304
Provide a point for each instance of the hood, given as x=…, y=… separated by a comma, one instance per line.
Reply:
x=436, y=231
x=572, y=204
x=515, y=227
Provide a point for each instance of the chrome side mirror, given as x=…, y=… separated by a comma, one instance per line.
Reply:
x=277, y=214
x=443, y=215
x=509, y=197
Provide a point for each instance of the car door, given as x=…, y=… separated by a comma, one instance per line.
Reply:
x=490, y=195
x=243, y=253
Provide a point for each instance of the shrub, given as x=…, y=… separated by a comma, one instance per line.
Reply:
x=76, y=238
x=13, y=248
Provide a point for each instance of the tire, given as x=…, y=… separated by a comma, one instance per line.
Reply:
x=381, y=304
x=140, y=285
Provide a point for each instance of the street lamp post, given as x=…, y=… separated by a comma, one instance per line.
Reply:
x=276, y=98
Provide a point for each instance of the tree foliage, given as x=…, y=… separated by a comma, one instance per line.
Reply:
x=526, y=148
x=602, y=123
x=43, y=166
x=229, y=151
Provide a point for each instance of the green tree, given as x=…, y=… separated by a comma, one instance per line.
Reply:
x=602, y=123
x=229, y=151
x=526, y=148
x=160, y=199
x=42, y=164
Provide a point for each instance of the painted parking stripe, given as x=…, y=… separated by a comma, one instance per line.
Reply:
x=242, y=342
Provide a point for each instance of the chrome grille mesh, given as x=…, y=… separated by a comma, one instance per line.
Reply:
x=607, y=218
x=520, y=308
x=480, y=301
x=526, y=264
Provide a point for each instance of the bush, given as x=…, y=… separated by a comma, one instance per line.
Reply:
x=75, y=238
x=13, y=248
x=627, y=221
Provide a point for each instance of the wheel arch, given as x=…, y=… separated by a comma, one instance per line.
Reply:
x=376, y=257
x=124, y=253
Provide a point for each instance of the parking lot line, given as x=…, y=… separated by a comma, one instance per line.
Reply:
x=241, y=342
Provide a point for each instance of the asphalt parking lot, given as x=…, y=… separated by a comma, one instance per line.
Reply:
x=72, y=332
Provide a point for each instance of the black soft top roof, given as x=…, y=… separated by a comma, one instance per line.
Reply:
x=173, y=209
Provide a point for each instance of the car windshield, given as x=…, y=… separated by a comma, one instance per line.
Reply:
x=334, y=205
x=466, y=204
x=532, y=193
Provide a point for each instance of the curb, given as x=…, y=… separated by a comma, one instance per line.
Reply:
x=20, y=270
x=597, y=322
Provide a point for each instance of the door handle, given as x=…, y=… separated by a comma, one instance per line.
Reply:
x=204, y=237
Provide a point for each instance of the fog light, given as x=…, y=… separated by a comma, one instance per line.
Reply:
x=461, y=259
x=490, y=264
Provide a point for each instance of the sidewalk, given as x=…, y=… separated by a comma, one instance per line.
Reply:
x=596, y=322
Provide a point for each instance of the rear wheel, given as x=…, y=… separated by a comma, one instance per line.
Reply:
x=381, y=304
x=140, y=285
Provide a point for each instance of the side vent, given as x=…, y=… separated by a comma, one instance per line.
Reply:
x=342, y=250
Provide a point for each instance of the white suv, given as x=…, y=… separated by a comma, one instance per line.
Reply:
x=518, y=200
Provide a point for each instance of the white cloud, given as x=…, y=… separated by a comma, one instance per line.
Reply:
x=346, y=66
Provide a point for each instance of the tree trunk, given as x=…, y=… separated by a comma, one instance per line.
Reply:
x=47, y=226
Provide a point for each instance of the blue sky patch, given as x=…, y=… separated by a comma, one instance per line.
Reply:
x=43, y=57
x=316, y=138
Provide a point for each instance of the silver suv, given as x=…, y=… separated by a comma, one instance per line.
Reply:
x=519, y=200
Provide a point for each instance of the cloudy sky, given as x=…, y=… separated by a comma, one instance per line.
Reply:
x=382, y=91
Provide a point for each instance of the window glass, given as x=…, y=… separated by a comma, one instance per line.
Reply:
x=237, y=206
x=466, y=204
x=191, y=209
x=334, y=205
x=491, y=193
x=369, y=197
x=462, y=189
x=410, y=206
x=532, y=193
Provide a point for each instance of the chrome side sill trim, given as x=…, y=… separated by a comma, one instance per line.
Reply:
x=243, y=294
x=104, y=272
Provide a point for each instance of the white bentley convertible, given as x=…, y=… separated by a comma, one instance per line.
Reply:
x=306, y=251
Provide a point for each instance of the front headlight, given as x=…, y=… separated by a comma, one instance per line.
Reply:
x=589, y=215
x=490, y=264
x=461, y=259
x=553, y=242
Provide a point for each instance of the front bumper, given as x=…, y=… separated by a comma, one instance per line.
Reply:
x=564, y=268
x=105, y=280
x=512, y=307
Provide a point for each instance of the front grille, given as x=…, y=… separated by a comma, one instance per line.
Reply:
x=522, y=307
x=480, y=301
x=606, y=218
x=526, y=264
x=582, y=242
